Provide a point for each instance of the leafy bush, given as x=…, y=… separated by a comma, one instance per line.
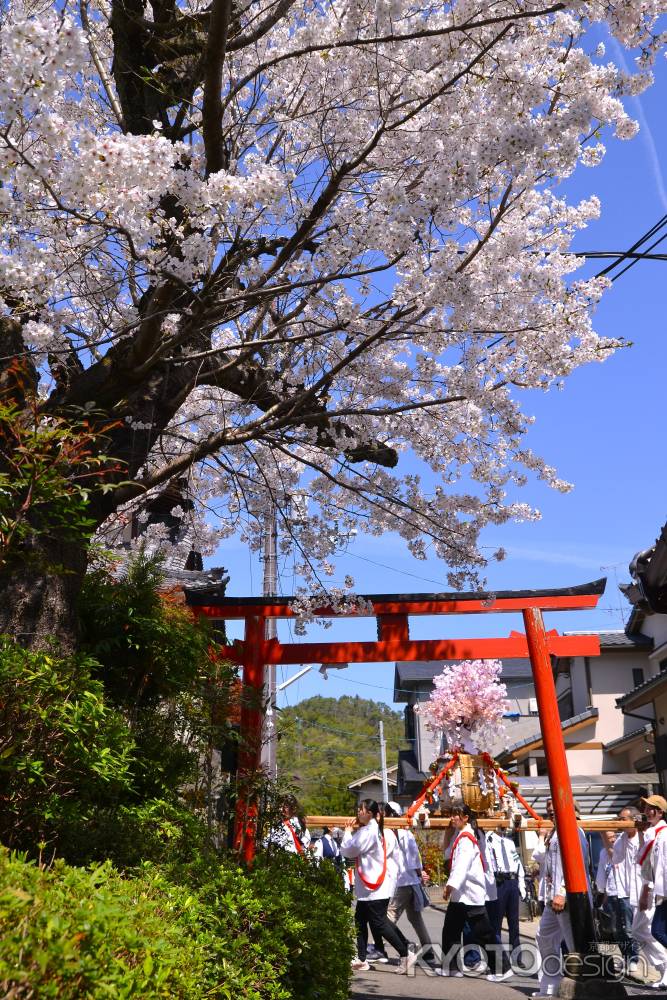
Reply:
x=308, y=912
x=156, y=830
x=433, y=860
x=77, y=933
x=49, y=467
x=282, y=931
x=295, y=911
x=63, y=750
x=147, y=645
x=155, y=662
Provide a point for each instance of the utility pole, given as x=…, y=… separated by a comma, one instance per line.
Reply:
x=269, y=588
x=383, y=765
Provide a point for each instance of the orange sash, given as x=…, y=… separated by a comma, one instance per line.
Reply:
x=469, y=836
x=375, y=885
x=297, y=843
x=646, y=849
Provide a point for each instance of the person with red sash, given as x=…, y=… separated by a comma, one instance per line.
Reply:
x=652, y=860
x=291, y=834
x=369, y=844
x=555, y=925
x=466, y=893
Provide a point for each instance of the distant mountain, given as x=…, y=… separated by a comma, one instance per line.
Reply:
x=325, y=743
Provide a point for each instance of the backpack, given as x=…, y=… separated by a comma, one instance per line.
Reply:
x=328, y=850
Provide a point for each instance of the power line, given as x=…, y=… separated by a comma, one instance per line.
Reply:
x=632, y=252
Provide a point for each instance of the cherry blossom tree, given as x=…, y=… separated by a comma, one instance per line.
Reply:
x=278, y=244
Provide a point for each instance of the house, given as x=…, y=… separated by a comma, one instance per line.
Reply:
x=370, y=786
x=598, y=738
x=645, y=704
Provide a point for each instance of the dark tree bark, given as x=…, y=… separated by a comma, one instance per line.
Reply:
x=37, y=605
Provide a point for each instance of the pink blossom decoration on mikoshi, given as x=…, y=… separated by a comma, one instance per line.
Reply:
x=467, y=705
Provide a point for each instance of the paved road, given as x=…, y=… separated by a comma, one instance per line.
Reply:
x=383, y=984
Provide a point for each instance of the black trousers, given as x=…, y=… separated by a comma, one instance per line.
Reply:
x=373, y=913
x=506, y=905
x=482, y=932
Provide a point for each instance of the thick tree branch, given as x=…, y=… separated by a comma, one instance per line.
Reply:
x=214, y=58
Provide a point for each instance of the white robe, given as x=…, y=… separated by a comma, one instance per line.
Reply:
x=365, y=847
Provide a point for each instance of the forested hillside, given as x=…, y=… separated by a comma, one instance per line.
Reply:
x=325, y=743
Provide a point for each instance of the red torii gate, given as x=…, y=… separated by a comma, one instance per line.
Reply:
x=393, y=643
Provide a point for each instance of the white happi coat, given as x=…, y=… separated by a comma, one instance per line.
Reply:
x=365, y=847
x=653, y=857
x=468, y=876
x=628, y=876
x=408, y=859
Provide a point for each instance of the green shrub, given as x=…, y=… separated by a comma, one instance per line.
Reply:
x=282, y=931
x=63, y=751
x=308, y=914
x=156, y=830
x=156, y=665
x=76, y=933
x=296, y=912
x=148, y=647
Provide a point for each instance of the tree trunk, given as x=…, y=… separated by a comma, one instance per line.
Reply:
x=37, y=605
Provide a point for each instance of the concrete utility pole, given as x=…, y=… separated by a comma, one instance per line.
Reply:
x=269, y=588
x=383, y=765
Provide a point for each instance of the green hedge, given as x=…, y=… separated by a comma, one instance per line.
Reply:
x=64, y=752
x=282, y=931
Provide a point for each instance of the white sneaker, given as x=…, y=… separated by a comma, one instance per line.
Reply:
x=500, y=977
x=360, y=966
x=402, y=967
x=448, y=973
x=373, y=955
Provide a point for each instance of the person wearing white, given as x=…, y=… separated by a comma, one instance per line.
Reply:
x=466, y=893
x=539, y=855
x=326, y=846
x=653, y=886
x=607, y=881
x=510, y=884
x=291, y=834
x=409, y=875
x=628, y=884
x=555, y=925
x=372, y=847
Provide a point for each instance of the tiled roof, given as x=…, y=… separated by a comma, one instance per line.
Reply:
x=407, y=674
x=647, y=687
x=376, y=776
x=589, y=714
x=629, y=737
x=618, y=639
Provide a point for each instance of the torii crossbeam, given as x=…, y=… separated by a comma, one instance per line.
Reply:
x=392, y=612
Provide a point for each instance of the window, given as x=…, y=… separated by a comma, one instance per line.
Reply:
x=663, y=664
x=409, y=716
x=565, y=705
x=638, y=675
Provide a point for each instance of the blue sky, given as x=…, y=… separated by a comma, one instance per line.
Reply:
x=604, y=432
